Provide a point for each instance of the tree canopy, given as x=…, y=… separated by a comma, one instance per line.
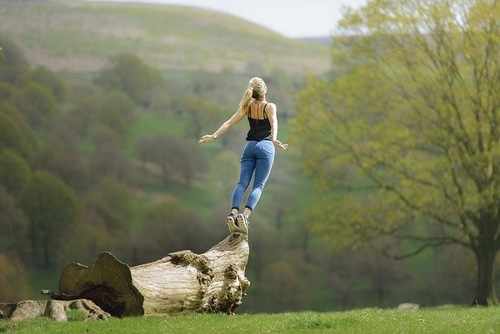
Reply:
x=408, y=131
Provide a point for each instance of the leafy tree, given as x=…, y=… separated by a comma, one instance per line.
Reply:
x=115, y=110
x=131, y=75
x=15, y=134
x=60, y=156
x=107, y=219
x=13, y=64
x=46, y=78
x=167, y=225
x=13, y=227
x=51, y=207
x=178, y=158
x=408, y=132
x=13, y=279
x=14, y=172
x=111, y=203
x=6, y=91
x=202, y=114
x=108, y=158
x=36, y=102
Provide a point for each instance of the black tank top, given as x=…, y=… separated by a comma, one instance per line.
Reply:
x=260, y=129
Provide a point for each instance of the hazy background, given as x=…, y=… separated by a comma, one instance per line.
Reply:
x=293, y=18
x=101, y=106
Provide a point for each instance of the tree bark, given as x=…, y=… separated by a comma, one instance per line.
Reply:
x=485, y=289
x=183, y=281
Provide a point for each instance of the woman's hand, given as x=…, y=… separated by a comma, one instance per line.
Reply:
x=207, y=139
x=284, y=147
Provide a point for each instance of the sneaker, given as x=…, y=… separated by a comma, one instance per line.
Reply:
x=241, y=223
x=231, y=222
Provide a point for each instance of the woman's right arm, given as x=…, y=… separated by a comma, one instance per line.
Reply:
x=235, y=118
x=271, y=113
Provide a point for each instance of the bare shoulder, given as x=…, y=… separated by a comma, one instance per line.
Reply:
x=271, y=107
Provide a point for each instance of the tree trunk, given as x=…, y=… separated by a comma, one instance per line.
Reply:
x=183, y=281
x=46, y=245
x=485, y=290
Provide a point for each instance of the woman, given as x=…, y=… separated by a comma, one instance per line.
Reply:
x=258, y=153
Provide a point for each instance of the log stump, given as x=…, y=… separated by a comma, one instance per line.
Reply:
x=182, y=281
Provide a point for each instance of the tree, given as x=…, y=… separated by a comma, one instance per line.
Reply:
x=50, y=206
x=202, y=114
x=13, y=278
x=36, y=103
x=132, y=76
x=14, y=172
x=115, y=110
x=13, y=64
x=13, y=226
x=177, y=158
x=46, y=78
x=408, y=133
x=168, y=223
x=108, y=158
x=14, y=133
x=111, y=204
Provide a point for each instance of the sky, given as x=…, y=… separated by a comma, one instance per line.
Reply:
x=292, y=18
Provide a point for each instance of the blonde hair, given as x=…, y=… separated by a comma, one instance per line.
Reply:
x=256, y=89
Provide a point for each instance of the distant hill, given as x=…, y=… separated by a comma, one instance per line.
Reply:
x=80, y=36
x=323, y=40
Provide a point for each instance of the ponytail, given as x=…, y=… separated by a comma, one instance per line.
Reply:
x=246, y=99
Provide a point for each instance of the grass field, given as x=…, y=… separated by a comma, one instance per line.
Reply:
x=432, y=320
x=78, y=35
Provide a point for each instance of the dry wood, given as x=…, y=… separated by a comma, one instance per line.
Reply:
x=183, y=281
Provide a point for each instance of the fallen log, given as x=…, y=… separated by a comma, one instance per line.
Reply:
x=53, y=309
x=182, y=281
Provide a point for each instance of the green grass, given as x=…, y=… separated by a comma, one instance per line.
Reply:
x=432, y=320
x=77, y=35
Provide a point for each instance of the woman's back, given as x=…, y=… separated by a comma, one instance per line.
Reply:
x=260, y=126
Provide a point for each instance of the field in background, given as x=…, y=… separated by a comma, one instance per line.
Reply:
x=80, y=36
x=434, y=320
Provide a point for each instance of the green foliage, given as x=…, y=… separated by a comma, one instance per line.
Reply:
x=51, y=207
x=132, y=76
x=13, y=64
x=402, y=127
x=178, y=158
x=14, y=133
x=407, y=132
x=36, y=103
x=6, y=91
x=46, y=78
x=14, y=172
x=202, y=114
x=168, y=223
x=111, y=205
x=114, y=110
x=13, y=227
x=13, y=284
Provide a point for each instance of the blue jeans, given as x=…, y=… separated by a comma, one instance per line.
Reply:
x=258, y=157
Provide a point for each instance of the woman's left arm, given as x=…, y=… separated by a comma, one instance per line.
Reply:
x=271, y=113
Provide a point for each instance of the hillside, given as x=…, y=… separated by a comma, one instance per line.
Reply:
x=80, y=36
